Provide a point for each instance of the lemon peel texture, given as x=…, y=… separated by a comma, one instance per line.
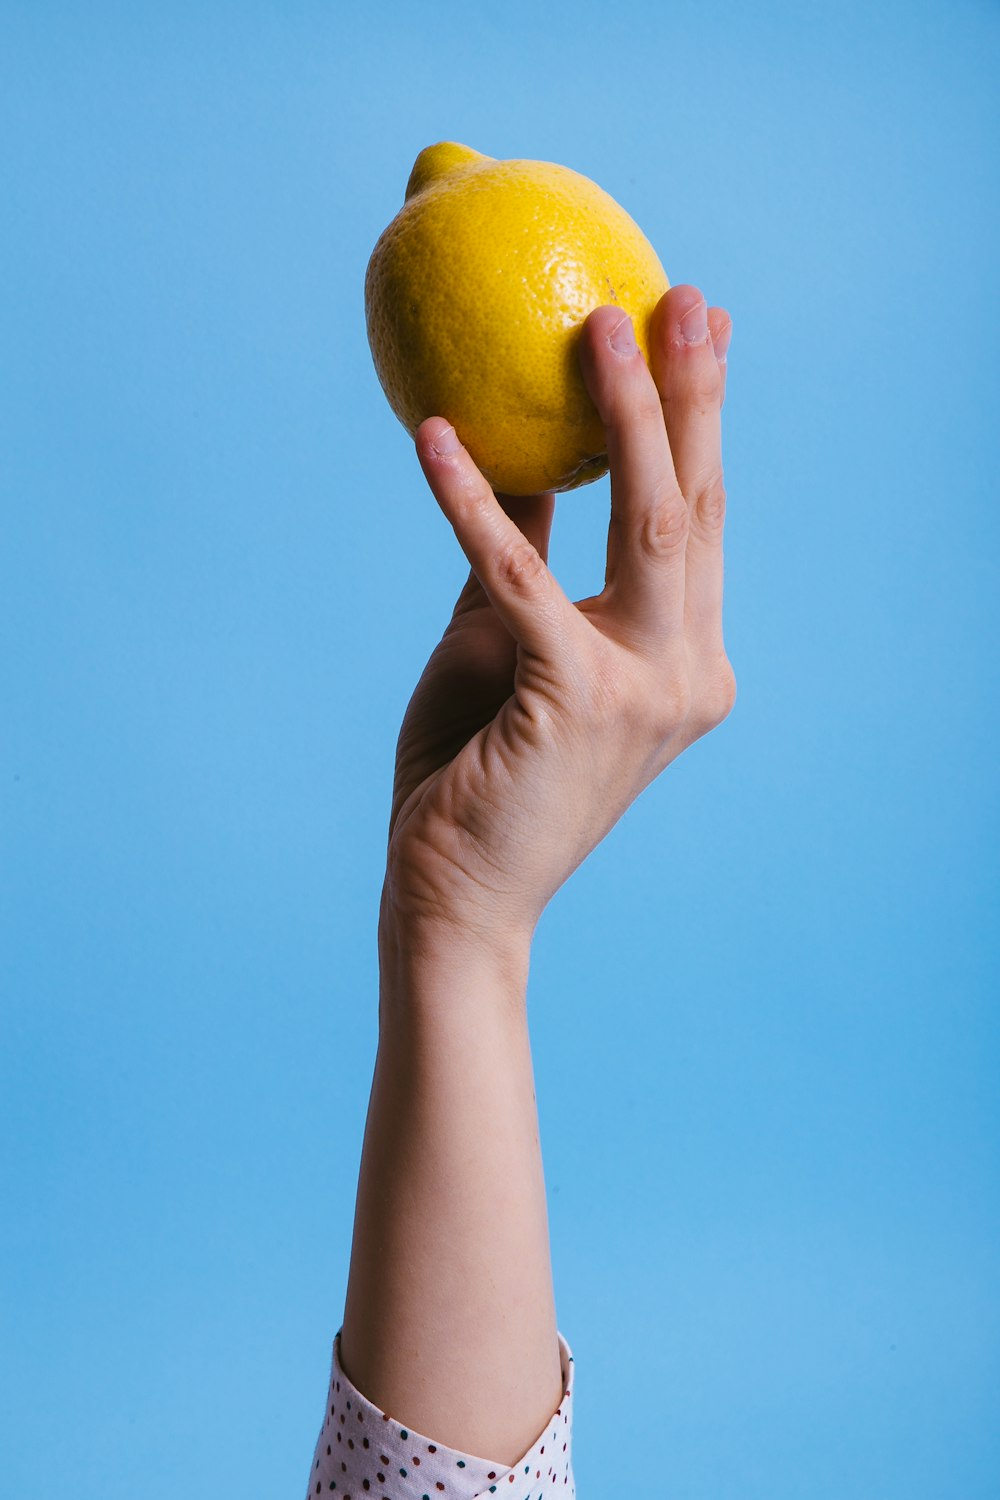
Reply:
x=475, y=295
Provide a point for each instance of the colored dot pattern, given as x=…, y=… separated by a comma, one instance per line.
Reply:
x=362, y=1452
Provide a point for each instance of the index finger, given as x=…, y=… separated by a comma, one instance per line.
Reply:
x=514, y=576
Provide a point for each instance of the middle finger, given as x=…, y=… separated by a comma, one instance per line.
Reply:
x=648, y=531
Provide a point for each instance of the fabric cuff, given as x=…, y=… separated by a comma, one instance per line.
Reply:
x=363, y=1452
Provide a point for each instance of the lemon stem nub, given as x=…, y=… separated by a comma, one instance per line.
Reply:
x=438, y=161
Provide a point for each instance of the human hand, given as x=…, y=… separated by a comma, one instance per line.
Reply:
x=538, y=721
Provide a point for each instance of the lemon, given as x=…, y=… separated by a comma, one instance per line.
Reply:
x=475, y=294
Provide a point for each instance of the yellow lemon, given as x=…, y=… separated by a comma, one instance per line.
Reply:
x=475, y=294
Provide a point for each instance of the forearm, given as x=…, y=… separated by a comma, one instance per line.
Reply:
x=450, y=1319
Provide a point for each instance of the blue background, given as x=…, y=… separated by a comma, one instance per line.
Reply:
x=764, y=1012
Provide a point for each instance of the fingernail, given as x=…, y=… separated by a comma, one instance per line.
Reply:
x=623, y=338
x=694, y=324
x=446, y=442
x=721, y=342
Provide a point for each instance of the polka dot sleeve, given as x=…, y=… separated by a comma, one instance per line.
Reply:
x=365, y=1452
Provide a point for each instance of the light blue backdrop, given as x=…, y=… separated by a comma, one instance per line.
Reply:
x=764, y=1012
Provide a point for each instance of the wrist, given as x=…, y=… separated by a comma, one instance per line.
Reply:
x=445, y=961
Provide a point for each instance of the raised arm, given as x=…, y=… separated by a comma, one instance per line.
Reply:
x=536, y=723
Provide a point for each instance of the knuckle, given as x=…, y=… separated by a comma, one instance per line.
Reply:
x=701, y=384
x=659, y=703
x=664, y=527
x=648, y=704
x=672, y=707
x=694, y=384
x=635, y=403
x=519, y=567
x=646, y=406
x=709, y=504
x=716, y=696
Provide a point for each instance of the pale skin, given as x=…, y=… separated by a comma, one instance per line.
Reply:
x=536, y=723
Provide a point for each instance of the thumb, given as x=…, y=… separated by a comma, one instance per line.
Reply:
x=509, y=566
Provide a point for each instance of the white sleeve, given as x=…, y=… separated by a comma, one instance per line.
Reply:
x=364, y=1452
